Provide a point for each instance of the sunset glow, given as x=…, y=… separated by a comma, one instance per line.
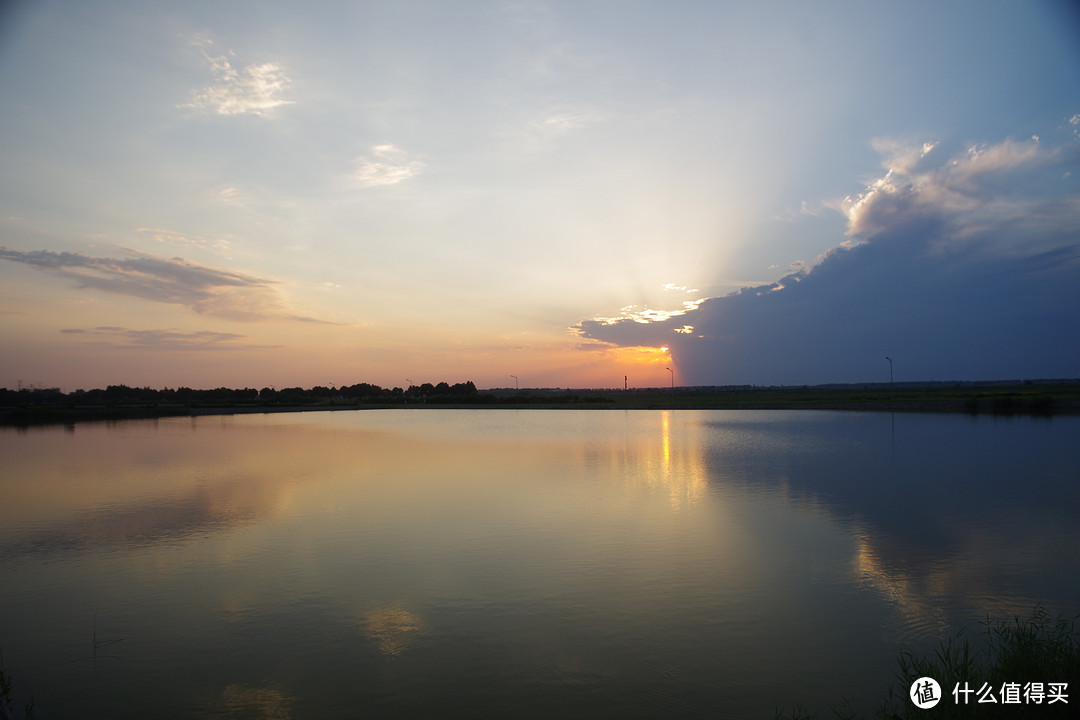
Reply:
x=255, y=194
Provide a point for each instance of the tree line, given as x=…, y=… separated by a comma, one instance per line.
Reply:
x=358, y=394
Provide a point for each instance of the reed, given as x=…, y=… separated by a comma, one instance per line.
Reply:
x=5, y=695
x=1040, y=649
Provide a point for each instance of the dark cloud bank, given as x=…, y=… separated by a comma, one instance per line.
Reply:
x=958, y=266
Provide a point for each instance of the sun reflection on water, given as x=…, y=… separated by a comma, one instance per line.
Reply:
x=662, y=456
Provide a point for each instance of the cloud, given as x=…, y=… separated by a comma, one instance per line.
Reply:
x=546, y=128
x=565, y=122
x=232, y=196
x=171, y=237
x=167, y=339
x=679, y=288
x=255, y=89
x=387, y=165
x=645, y=316
x=984, y=183
x=207, y=508
x=206, y=290
x=959, y=266
x=805, y=210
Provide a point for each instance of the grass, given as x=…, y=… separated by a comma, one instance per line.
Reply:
x=5, y=695
x=1037, y=649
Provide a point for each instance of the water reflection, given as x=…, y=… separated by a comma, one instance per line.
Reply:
x=207, y=508
x=920, y=604
x=950, y=517
x=393, y=628
x=239, y=701
x=683, y=471
x=489, y=560
x=653, y=454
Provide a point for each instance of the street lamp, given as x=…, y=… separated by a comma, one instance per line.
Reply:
x=892, y=390
x=516, y=384
x=672, y=378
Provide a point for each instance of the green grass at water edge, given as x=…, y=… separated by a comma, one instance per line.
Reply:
x=1040, y=649
x=5, y=698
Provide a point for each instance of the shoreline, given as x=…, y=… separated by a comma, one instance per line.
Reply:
x=992, y=404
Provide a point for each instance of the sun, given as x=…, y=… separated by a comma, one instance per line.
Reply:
x=645, y=355
x=644, y=366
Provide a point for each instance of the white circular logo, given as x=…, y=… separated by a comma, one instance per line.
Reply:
x=925, y=693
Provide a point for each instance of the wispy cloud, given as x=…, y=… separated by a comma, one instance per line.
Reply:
x=564, y=122
x=211, y=291
x=679, y=288
x=253, y=89
x=387, y=165
x=546, y=128
x=958, y=266
x=166, y=236
x=232, y=196
x=166, y=339
x=806, y=209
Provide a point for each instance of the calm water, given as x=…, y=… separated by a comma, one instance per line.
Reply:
x=516, y=564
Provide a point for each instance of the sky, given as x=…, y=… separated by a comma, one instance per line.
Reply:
x=552, y=194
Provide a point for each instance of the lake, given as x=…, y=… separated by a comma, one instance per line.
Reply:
x=517, y=563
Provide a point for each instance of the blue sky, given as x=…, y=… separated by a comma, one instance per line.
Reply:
x=265, y=193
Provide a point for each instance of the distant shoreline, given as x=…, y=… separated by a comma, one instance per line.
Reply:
x=1039, y=398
